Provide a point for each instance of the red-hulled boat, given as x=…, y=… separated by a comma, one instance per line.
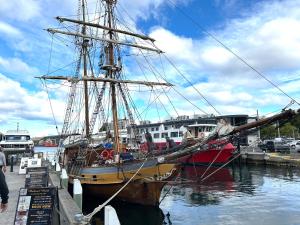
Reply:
x=217, y=153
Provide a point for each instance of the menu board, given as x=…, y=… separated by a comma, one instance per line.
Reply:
x=41, y=169
x=35, y=206
x=36, y=180
x=36, y=177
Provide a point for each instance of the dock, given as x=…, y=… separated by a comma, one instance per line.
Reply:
x=256, y=156
x=67, y=207
x=14, y=182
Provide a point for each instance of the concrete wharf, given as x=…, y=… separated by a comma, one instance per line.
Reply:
x=67, y=207
x=14, y=182
x=256, y=156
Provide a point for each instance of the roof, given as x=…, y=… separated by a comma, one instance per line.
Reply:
x=17, y=132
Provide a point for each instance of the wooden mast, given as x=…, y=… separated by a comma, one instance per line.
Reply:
x=111, y=74
x=85, y=85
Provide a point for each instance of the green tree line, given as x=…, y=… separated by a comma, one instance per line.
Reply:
x=289, y=128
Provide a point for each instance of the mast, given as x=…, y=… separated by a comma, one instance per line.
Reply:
x=111, y=74
x=85, y=85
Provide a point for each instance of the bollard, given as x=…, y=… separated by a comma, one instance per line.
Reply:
x=110, y=216
x=77, y=193
x=64, y=178
x=57, y=167
x=12, y=164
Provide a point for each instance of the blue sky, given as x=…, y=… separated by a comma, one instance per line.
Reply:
x=265, y=33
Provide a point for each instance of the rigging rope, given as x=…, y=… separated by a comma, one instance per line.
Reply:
x=220, y=167
x=231, y=51
x=46, y=88
x=179, y=73
x=96, y=210
x=212, y=162
x=192, y=85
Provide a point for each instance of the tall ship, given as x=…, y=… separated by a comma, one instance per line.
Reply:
x=102, y=88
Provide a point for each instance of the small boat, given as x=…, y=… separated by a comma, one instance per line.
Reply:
x=49, y=143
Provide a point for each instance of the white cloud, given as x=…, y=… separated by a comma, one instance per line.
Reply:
x=9, y=30
x=267, y=37
x=21, y=10
x=18, y=67
x=19, y=104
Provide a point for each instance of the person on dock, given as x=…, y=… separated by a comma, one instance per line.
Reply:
x=3, y=192
x=170, y=143
x=2, y=160
x=149, y=141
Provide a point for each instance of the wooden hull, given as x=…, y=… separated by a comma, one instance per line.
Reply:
x=145, y=187
x=137, y=192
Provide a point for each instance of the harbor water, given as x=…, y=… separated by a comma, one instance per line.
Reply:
x=260, y=195
x=240, y=194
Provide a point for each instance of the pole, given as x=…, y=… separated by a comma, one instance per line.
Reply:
x=12, y=163
x=111, y=75
x=85, y=85
x=278, y=130
x=258, y=131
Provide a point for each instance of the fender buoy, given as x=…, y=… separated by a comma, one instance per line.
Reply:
x=105, y=154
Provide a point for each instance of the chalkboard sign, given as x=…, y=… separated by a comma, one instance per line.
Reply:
x=41, y=169
x=36, y=180
x=35, y=206
x=36, y=177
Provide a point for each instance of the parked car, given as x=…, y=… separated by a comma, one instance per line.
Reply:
x=267, y=145
x=281, y=146
x=295, y=146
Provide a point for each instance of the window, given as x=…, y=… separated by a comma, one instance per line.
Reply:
x=166, y=127
x=201, y=129
x=142, y=130
x=17, y=138
x=163, y=135
x=180, y=133
x=174, y=134
x=152, y=128
x=156, y=135
x=156, y=128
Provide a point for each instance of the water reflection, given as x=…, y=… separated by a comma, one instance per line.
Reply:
x=128, y=213
x=199, y=192
x=234, y=195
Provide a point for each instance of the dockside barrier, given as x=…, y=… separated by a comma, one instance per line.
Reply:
x=67, y=207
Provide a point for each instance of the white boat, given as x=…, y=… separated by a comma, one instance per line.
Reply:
x=16, y=141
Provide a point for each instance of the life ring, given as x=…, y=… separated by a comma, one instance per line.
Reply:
x=201, y=135
x=111, y=154
x=105, y=154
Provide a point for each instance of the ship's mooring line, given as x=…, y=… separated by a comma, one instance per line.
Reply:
x=220, y=167
x=168, y=191
x=88, y=217
x=213, y=161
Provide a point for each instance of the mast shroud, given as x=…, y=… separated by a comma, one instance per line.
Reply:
x=104, y=39
x=144, y=37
